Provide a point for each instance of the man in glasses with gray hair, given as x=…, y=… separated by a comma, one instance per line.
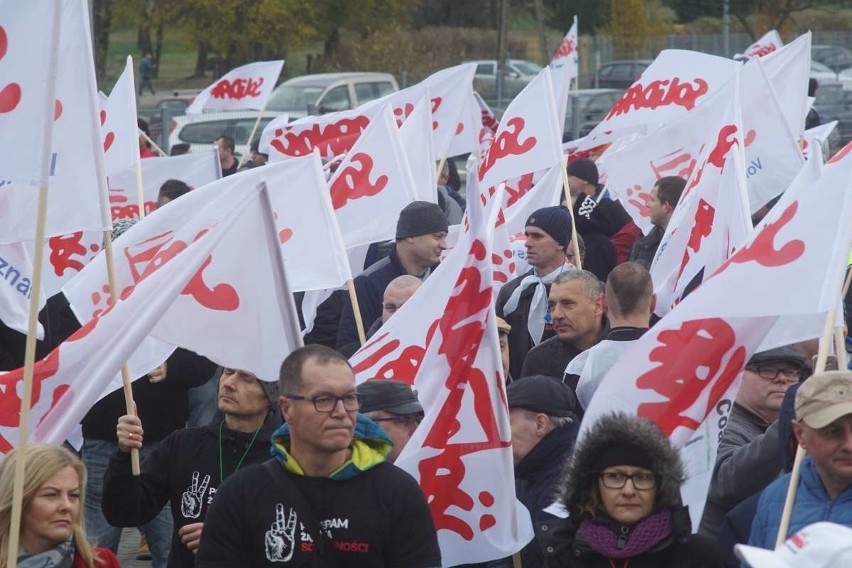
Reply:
x=328, y=495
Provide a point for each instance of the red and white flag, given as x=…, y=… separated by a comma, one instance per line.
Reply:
x=372, y=184
x=769, y=43
x=73, y=377
x=565, y=66
x=818, y=134
x=16, y=268
x=118, y=123
x=461, y=452
x=674, y=84
x=244, y=88
x=415, y=134
x=235, y=289
x=332, y=134
x=488, y=124
x=528, y=138
x=76, y=179
x=788, y=69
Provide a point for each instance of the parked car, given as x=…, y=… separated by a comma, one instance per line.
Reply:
x=821, y=72
x=620, y=74
x=834, y=103
x=206, y=127
x=519, y=72
x=164, y=112
x=329, y=92
x=834, y=57
x=592, y=105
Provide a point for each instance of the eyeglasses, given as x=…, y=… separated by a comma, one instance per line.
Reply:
x=327, y=403
x=617, y=480
x=771, y=373
x=392, y=419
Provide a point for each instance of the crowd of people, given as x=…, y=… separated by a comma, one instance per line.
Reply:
x=239, y=471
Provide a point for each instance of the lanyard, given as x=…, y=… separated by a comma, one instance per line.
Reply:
x=239, y=463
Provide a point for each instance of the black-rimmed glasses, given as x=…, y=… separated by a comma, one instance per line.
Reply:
x=327, y=402
x=771, y=373
x=617, y=480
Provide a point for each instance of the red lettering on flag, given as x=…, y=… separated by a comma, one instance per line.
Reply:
x=62, y=250
x=402, y=113
x=354, y=181
x=639, y=199
x=436, y=104
x=11, y=403
x=660, y=93
x=702, y=226
x=332, y=139
x=565, y=48
x=237, y=89
x=679, y=163
x=689, y=362
x=762, y=249
x=761, y=50
x=507, y=143
x=10, y=95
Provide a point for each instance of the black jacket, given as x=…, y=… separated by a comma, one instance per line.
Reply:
x=185, y=471
x=551, y=357
x=646, y=247
x=597, y=222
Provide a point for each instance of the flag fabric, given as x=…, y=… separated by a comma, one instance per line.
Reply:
x=461, y=452
x=72, y=378
x=417, y=143
x=332, y=134
x=528, y=138
x=16, y=274
x=683, y=371
x=76, y=180
x=118, y=123
x=372, y=184
x=788, y=69
x=234, y=289
x=564, y=65
x=245, y=88
x=818, y=134
x=488, y=124
x=677, y=82
x=770, y=42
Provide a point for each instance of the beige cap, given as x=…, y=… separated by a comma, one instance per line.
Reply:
x=502, y=326
x=824, y=398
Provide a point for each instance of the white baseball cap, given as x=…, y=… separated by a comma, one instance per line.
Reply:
x=820, y=545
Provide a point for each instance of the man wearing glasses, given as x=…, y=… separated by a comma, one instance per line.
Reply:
x=328, y=497
x=393, y=405
x=749, y=456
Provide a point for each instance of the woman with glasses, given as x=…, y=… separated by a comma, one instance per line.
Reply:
x=622, y=493
x=52, y=530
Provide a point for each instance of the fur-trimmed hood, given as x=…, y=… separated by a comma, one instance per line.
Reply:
x=622, y=429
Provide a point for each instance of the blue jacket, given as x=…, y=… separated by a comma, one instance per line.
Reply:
x=812, y=505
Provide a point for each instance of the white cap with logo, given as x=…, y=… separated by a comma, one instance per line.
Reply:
x=820, y=545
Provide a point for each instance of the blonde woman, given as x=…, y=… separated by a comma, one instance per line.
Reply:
x=52, y=530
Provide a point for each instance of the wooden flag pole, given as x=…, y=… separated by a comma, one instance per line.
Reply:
x=130, y=406
x=822, y=357
x=516, y=560
x=440, y=167
x=356, y=309
x=846, y=283
x=578, y=261
x=251, y=137
x=140, y=190
x=154, y=144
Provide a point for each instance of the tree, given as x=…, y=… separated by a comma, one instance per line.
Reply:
x=593, y=15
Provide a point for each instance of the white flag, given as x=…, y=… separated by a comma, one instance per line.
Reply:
x=244, y=88
x=565, y=66
x=789, y=69
x=118, y=123
x=770, y=42
x=417, y=141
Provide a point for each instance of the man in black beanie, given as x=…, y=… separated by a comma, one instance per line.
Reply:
x=421, y=238
x=522, y=302
x=602, y=222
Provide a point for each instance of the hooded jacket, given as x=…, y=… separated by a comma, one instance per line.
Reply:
x=562, y=543
x=367, y=513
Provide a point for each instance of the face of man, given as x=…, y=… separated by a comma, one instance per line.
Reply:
x=426, y=250
x=240, y=394
x=576, y=185
x=394, y=298
x=314, y=432
x=762, y=395
x=658, y=212
x=225, y=155
x=831, y=449
x=504, y=353
x=542, y=250
x=526, y=432
x=576, y=317
x=258, y=158
x=398, y=428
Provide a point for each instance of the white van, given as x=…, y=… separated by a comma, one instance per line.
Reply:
x=329, y=92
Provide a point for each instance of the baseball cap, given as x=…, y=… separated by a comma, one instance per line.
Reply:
x=824, y=398
x=819, y=545
x=540, y=393
x=390, y=396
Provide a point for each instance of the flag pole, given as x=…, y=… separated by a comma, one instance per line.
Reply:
x=154, y=144
x=251, y=136
x=516, y=560
x=356, y=309
x=578, y=262
x=282, y=289
x=787, y=513
x=440, y=167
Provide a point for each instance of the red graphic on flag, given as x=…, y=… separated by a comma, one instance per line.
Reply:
x=507, y=143
x=237, y=89
x=660, y=93
x=638, y=199
x=284, y=235
x=10, y=95
x=332, y=139
x=57, y=109
x=405, y=366
x=846, y=150
x=565, y=48
x=761, y=50
x=110, y=136
x=11, y=403
x=436, y=104
x=762, y=249
x=690, y=361
x=701, y=228
x=354, y=181
x=401, y=114
x=63, y=249
x=679, y=163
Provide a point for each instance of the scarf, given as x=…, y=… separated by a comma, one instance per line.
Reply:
x=538, y=312
x=60, y=556
x=625, y=542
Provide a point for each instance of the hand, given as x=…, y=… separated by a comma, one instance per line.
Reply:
x=190, y=535
x=158, y=374
x=193, y=497
x=129, y=433
x=280, y=538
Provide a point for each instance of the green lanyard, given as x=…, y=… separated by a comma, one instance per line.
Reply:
x=239, y=463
